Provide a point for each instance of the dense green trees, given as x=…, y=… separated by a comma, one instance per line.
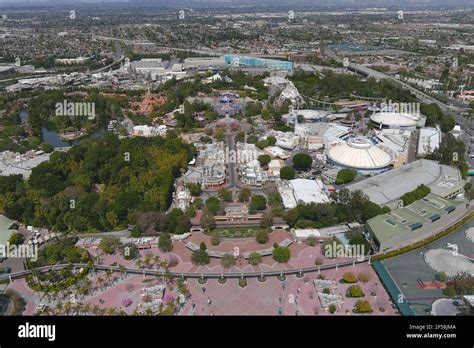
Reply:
x=165, y=243
x=213, y=205
x=346, y=206
x=261, y=144
x=274, y=199
x=258, y=202
x=98, y=185
x=63, y=251
x=281, y=254
x=451, y=152
x=178, y=222
x=225, y=195
x=345, y=175
x=42, y=109
x=16, y=239
x=266, y=221
x=200, y=256
x=194, y=189
x=462, y=284
x=264, y=160
x=244, y=195
x=447, y=124
x=255, y=258
x=336, y=86
x=302, y=161
x=261, y=236
x=207, y=220
x=228, y=261
x=287, y=173
x=109, y=244
x=415, y=195
x=433, y=113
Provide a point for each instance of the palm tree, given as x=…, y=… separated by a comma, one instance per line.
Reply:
x=95, y=309
x=79, y=307
x=108, y=275
x=156, y=261
x=87, y=308
x=139, y=263
x=147, y=261
x=67, y=307
x=59, y=307
x=100, y=281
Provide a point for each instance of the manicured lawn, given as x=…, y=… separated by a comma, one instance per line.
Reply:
x=237, y=232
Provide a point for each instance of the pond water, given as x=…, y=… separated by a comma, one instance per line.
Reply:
x=51, y=136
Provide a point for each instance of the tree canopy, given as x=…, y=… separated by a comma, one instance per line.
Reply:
x=302, y=161
x=98, y=185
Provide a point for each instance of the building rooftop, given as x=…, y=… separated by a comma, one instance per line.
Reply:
x=301, y=190
x=408, y=219
x=6, y=229
x=394, y=119
x=359, y=153
x=429, y=140
x=388, y=187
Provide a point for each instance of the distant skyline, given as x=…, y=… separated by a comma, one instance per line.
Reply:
x=234, y=3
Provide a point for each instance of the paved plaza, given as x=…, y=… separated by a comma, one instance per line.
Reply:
x=408, y=268
x=294, y=296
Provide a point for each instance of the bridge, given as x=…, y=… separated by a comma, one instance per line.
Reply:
x=195, y=275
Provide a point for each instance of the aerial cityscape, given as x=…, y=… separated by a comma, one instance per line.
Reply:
x=236, y=159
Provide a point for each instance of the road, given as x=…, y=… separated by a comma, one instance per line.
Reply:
x=55, y=72
x=413, y=146
x=231, y=160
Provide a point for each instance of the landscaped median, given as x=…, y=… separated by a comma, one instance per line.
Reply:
x=423, y=242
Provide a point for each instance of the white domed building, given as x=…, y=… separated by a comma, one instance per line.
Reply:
x=360, y=155
x=395, y=120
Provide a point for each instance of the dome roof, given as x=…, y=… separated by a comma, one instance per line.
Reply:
x=359, y=153
x=394, y=119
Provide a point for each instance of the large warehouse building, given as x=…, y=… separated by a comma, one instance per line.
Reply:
x=255, y=62
x=407, y=225
x=387, y=188
x=360, y=155
x=298, y=191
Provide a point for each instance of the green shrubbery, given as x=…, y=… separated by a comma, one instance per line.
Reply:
x=345, y=175
x=415, y=195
